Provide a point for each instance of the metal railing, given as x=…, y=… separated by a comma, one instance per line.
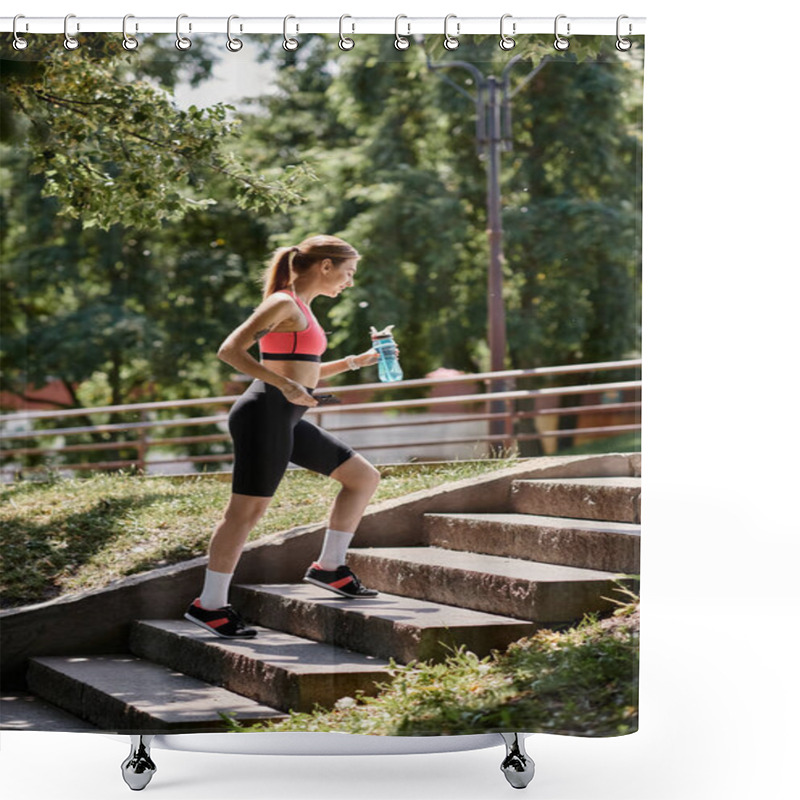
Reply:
x=500, y=406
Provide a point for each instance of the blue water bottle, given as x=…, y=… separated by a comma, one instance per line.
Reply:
x=388, y=366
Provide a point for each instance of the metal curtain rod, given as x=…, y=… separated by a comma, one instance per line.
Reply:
x=405, y=25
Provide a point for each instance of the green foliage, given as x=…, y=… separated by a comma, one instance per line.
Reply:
x=114, y=149
x=399, y=176
x=96, y=282
x=146, y=311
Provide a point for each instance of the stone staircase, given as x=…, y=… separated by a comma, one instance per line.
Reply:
x=481, y=580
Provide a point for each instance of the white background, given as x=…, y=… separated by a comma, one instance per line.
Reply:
x=719, y=673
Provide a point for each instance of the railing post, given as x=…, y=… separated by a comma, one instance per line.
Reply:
x=497, y=410
x=510, y=441
x=142, y=445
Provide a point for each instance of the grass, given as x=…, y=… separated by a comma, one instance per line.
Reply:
x=583, y=681
x=64, y=536
x=623, y=443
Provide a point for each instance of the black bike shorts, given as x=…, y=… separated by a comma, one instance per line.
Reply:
x=268, y=432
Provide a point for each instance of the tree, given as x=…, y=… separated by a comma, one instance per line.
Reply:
x=399, y=177
x=114, y=149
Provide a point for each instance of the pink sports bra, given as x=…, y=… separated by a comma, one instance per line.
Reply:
x=306, y=345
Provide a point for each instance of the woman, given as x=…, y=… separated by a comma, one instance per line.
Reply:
x=269, y=431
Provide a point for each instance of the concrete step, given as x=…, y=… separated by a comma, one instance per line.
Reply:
x=124, y=694
x=26, y=712
x=529, y=590
x=591, y=544
x=275, y=668
x=610, y=499
x=387, y=626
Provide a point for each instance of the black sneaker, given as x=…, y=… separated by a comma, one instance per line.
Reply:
x=223, y=622
x=341, y=580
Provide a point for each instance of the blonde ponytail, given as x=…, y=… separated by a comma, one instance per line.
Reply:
x=288, y=262
x=280, y=274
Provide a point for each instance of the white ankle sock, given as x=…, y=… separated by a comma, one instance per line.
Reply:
x=215, y=589
x=334, y=549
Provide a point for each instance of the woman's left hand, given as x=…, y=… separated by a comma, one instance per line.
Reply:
x=370, y=357
x=367, y=358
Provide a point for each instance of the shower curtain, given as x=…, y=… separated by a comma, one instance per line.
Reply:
x=494, y=195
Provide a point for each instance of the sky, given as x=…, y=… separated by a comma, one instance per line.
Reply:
x=235, y=76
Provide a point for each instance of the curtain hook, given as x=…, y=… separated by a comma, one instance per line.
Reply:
x=128, y=42
x=507, y=42
x=289, y=44
x=623, y=44
x=181, y=42
x=400, y=42
x=450, y=42
x=234, y=45
x=561, y=43
x=345, y=43
x=70, y=42
x=19, y=43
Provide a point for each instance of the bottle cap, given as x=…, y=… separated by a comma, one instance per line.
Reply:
x=375, y=334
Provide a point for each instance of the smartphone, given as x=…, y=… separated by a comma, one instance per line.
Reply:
x=327, y=399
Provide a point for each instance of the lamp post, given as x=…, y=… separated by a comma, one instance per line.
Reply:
x=492, y=102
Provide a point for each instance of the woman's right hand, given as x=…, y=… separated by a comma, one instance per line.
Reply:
x=297, y=394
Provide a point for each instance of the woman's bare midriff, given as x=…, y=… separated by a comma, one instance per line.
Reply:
x=306, y=373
